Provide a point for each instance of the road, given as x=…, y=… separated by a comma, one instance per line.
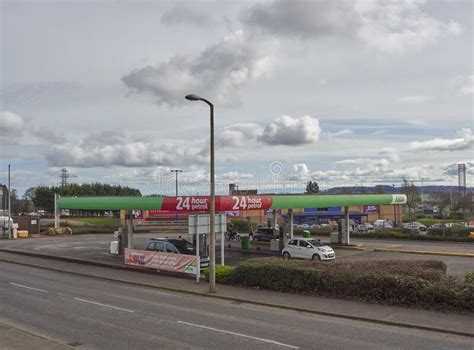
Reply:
x=97, y=314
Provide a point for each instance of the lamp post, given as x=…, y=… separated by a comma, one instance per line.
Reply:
x=9, y=204
x=212, y=253
x=176, y=171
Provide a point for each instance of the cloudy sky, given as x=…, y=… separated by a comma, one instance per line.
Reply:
x=341, y=92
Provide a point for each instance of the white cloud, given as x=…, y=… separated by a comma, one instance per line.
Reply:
x=301, y=169
x=342, y=133
x=49, y=135
x=464, y=85
x=463, y=142
x=399, y=26
x=11, y=126
x=391, y=153
x=286, y=130
x=217, y=73
x=389, y=26
x=124, y=154
x=237, y=135
x=415, y=99
x=304, y=19
x=188, y=16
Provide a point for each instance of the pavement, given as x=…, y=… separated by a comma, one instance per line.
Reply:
x=14, y=337
x=454, y=324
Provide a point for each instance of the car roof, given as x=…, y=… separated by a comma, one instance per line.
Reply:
x=171, y=240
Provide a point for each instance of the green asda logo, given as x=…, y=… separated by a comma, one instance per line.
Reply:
x=398, y=198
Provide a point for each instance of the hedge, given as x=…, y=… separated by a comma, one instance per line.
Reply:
x=469, y=277
x=415, y=237
x=413, y=283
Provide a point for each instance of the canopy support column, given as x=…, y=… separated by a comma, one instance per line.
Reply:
x=290, y=222
x=129, y=221
x=345, y=233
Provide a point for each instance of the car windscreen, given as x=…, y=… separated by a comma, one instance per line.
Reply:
x=315, y=243
x=184, y=247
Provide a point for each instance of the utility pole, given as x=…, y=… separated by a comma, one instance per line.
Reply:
x=176, y=171
x=422, y=199
x=9, y=204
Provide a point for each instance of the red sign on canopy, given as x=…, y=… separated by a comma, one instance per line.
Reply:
x=223, y=203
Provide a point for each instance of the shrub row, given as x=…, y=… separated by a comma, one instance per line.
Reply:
x=416, y=237
x=469, y=277
x=412, y=283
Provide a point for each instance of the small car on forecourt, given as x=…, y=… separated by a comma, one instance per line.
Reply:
x=308, y=248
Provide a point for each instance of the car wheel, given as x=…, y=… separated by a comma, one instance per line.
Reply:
x=237, y=238
x=286, y=255
x=316, y=257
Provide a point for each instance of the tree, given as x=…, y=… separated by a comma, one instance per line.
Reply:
x=379, y=189
x=413, y=196
x=43, y=196
x=312, y=187
x=19, y=205
x=441, y=199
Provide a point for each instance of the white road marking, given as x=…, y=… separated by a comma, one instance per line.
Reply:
x=239, y=335
x=26, y=287
x=105, y=305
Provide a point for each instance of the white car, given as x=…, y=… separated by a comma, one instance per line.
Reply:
x=308, y=248
x=380, y=224
x=303, y=227
x=415, y=226
x=364, y=228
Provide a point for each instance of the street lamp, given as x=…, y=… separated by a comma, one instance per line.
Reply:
x=212, y=253
x=176, y=171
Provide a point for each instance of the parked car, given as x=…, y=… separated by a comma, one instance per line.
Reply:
x=415, y=226
x=366, y=227
x=380, y=224
x=307, y=248
x=303, y=227
x=266, y=234
x=437, y=227
x=176, y=246
x=315, y=226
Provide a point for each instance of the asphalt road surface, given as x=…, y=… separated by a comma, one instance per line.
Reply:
x=96, y=314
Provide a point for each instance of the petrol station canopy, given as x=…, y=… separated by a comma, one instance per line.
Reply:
x=228, y=203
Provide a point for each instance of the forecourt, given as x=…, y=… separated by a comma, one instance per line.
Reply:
x=232, y=203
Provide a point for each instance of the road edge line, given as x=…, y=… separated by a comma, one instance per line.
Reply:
x=390, y=250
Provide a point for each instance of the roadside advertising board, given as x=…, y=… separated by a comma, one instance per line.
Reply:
x=160, y=261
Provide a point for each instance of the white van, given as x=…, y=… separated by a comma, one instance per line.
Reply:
x=4, y=225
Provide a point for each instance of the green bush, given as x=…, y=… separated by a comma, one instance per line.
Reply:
x=222, y=273
x=410, y=283
x=416, y=236
x=241, y=226
x=454, y=231
x=469, y=277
